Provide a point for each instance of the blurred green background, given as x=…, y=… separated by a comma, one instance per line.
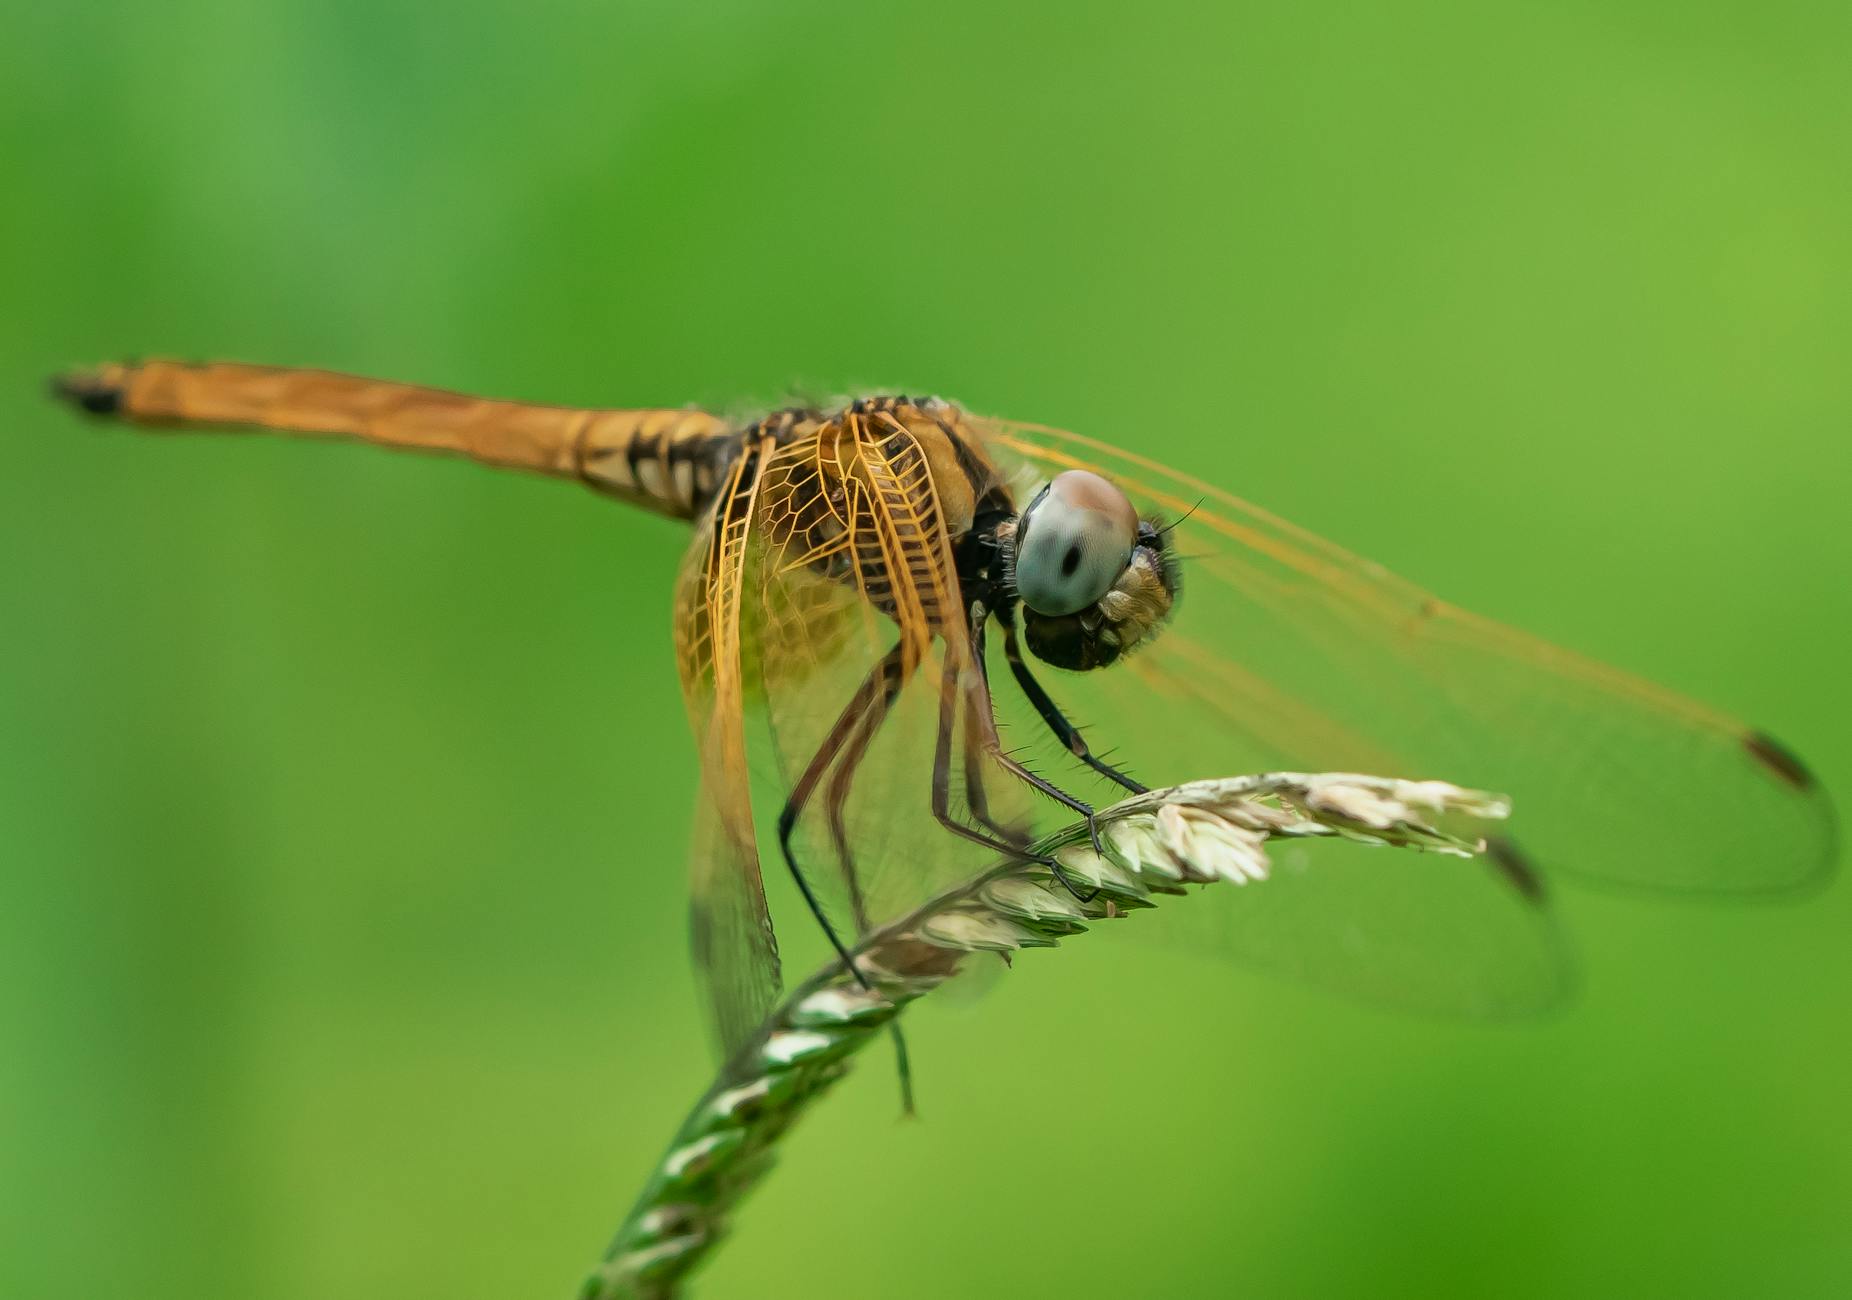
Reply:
x=343, y=796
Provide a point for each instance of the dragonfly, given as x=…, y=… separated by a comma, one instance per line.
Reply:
x=891, y=612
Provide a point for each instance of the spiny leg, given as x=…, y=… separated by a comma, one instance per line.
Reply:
x=871, y=713
x=1066, y=732
x=835, y=802
x=836, y=796
x=977, y=798
x=993, y=746
x=942, y=772
x=840, y=734
x=983, y=721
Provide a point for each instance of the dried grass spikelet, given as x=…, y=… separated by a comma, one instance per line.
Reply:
x=1155, y=844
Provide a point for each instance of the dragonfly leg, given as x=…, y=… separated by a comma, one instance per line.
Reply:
x=994, y=748
x=981, y=740
x=835, y=801
x=942, y=771
x=1066, y=732
x=977, y=798
x=883, y=678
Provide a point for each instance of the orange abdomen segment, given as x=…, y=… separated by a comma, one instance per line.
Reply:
x=663, y=459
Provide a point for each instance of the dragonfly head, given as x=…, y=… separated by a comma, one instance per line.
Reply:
x=1094, y=579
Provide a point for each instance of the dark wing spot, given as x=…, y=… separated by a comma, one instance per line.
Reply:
x=1070, y=561
x=1514, y=867
x=1778, y=758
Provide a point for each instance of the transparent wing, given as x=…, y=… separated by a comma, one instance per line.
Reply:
x=735, y=951
x=1421, y=933
x=1279, y=633
x=861, y=669
x=1288, y=652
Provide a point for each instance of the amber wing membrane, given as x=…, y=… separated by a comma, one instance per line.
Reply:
x=735, y=948
x=819, y=624
x=1306, y=653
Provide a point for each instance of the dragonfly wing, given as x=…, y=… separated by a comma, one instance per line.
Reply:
x=1413, y=932
x=1614, y=778
x=736, y=952
x=1288, y=652
x=853, y=629
x=1421, y=933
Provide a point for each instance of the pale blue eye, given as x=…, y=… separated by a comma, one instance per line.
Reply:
x=1074, y=541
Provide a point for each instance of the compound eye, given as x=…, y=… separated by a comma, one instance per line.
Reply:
x=1074, y=541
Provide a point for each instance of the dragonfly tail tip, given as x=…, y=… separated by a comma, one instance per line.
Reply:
x=98, y=390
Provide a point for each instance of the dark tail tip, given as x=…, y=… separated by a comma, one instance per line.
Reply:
x=1779, y=759
x=97, y=391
